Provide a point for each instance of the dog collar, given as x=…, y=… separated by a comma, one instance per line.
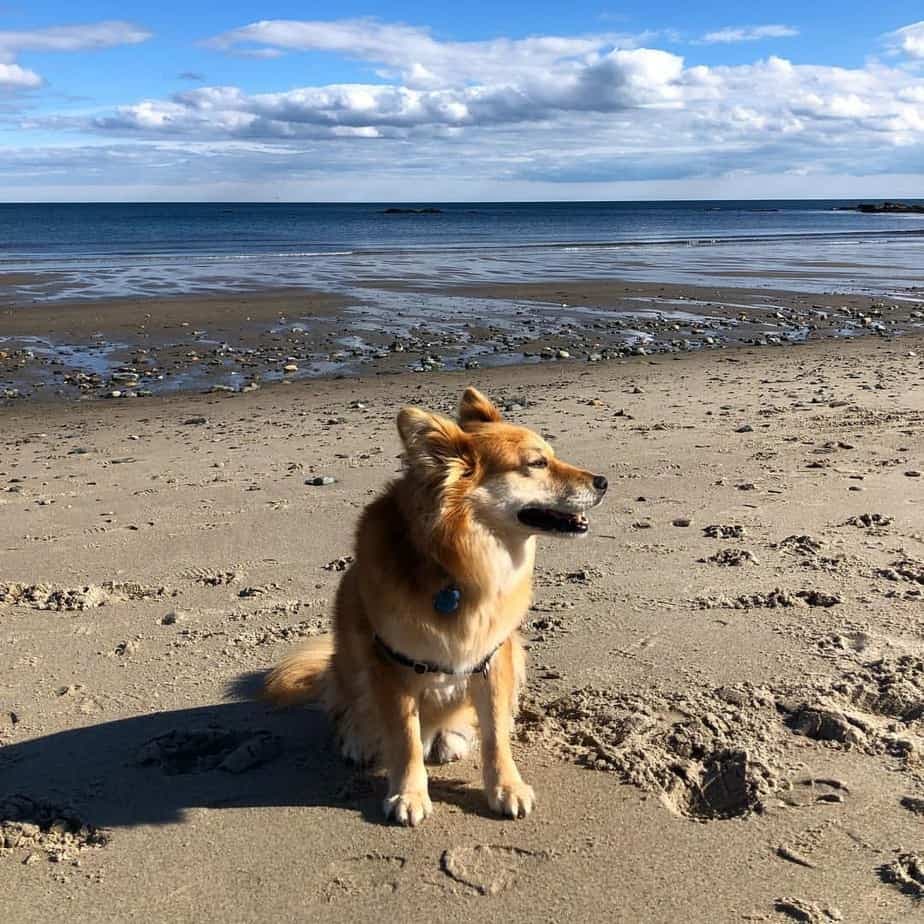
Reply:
x=447, y=601
x=426, y=667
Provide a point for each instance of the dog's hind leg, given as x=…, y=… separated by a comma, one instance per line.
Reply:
x=451, y=744
x=448, y=734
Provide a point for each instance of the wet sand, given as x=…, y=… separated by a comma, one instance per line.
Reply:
x=723, y=721
x=127, y=348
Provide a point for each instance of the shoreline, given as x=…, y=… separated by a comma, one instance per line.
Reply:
x=139, y=347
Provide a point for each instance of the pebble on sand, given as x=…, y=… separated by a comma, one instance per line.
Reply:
x=321, y=480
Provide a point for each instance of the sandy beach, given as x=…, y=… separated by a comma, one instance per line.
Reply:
x=723, y=720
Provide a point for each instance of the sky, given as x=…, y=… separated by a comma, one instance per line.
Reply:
x=469, y=101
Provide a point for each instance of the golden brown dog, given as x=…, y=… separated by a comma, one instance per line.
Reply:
x=425, y=645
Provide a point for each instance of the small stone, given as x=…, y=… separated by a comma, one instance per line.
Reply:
x=321, y=481
x=682, y=521
x=290, y=367
x=912, y=473
x=563, y=354
x=195, y=421
x=745, y=428
x=339, y=564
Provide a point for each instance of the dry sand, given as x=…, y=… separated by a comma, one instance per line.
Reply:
x=724, y=716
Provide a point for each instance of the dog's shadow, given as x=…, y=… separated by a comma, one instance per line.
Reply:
x=150, y=769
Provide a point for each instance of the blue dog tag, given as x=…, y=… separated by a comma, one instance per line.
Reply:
x=446, y=602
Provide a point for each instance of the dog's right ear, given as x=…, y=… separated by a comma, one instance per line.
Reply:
x=475, y=408
x=434, y=444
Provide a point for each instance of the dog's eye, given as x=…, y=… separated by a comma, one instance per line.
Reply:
x=541, y=462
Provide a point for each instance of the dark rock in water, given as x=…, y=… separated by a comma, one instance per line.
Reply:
x=875, y=208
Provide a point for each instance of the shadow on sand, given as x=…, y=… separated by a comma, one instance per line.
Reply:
x=150, y=769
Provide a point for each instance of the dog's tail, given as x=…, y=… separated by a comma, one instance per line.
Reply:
x=298, y=678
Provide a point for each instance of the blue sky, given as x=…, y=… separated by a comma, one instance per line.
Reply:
x=400, y=101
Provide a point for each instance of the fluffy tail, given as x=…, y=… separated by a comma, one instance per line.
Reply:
x=297, y=679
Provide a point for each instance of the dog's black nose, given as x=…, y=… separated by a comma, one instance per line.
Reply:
x=600, y=483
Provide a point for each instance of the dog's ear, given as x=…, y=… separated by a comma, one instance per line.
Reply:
x=435, y=444
x=475, y=408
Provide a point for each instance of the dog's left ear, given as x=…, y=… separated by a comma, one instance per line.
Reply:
x=475, y=408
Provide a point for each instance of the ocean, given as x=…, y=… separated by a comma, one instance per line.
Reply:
x=80, y=251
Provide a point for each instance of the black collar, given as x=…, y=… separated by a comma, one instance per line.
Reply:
x=425, y=667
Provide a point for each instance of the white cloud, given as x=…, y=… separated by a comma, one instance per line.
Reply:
x=87, y=37
x=618, y=80
x=16, y=77
x=748, y=34
x=908, y=40
x=412, y=53
x=545, y=110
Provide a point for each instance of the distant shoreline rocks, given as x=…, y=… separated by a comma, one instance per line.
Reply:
x=875, y=208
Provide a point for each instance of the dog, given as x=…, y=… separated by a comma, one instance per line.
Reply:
x=425, y=646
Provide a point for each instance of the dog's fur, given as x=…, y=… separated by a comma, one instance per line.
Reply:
x=452, y=519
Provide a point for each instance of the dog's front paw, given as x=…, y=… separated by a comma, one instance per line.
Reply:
x=515, y=800
x=408, y=808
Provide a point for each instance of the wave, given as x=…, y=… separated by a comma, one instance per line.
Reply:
x=23, y=258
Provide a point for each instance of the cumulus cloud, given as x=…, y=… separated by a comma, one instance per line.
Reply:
x=748, y=34
x=16, y=77
x=618, y=80
x=86, y=37
x=908, y=40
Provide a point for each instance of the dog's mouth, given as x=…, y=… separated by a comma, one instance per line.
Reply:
x=553, y=521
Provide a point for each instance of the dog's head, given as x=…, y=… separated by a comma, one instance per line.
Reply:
x=504, y=476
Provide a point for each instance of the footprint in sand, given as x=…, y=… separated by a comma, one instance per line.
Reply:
x=47, y=597
x=797, y=909
x=30, y=828
x=183, y=751
x=372, y=873
x=906, y=872
x=814, y=791
x=489, y=869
